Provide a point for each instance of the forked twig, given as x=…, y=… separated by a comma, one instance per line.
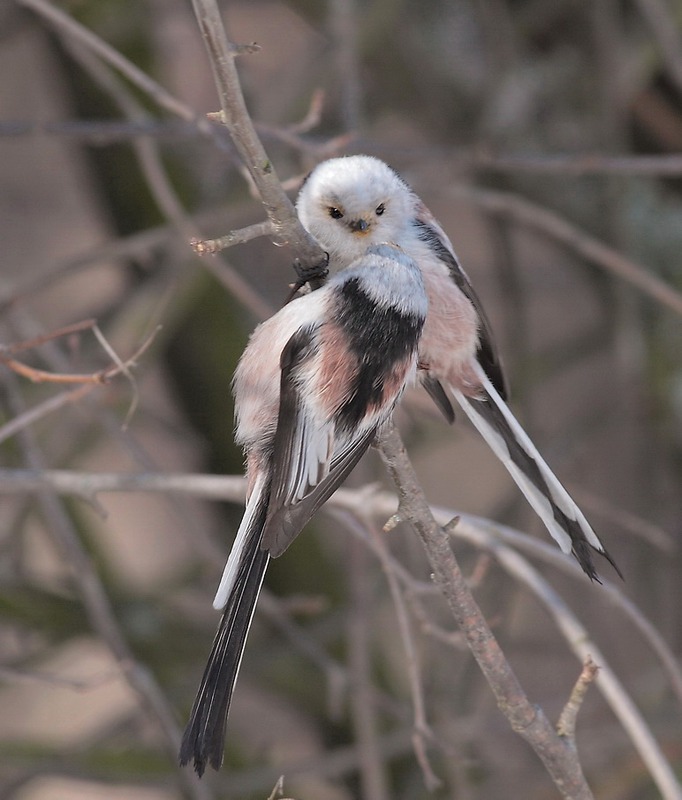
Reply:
x=99, y=378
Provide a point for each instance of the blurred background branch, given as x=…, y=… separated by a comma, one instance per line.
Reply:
x=547, y=140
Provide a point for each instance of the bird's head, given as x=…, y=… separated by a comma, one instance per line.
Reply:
x=348, y=204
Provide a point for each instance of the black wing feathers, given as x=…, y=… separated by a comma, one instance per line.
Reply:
x=439, y=396
x=284, y=454
x=380, y=336
x=286, y=520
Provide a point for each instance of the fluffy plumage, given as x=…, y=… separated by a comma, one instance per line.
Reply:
x=348, y=203
x=315, y=383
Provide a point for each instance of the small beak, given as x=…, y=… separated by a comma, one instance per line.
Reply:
x=359, y=226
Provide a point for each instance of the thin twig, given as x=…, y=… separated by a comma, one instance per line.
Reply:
x=363, y=713
x=103, y=133
x=8, y=674
x=577, y=165
x=162, y=189
x=422, y=729
x=358, y=522
x=607, y=683
x=121, y=249
x=308, y=250
x=69, y=27
x=569, y=714
x=204, y=247
x=99, y=378
x=158, y=243
x=32, y=415
x=480, y=532
x=96, y=602
x=594, y=251
x=36, y=341
x=313, y=116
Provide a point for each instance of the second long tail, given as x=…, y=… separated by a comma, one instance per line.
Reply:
x=564, y=520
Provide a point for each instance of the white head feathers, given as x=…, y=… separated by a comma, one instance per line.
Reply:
x=353, y=202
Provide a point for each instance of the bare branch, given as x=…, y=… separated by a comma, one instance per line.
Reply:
x=591, y=249
x=277, y=205
x=96, y=603
x=69, y=27
x=527, y=720
x=100, y=377
x=608, y=684
x=578, y=165
x=498, y=539
x=363, y=713
x=27, y=676
x=282, y=223
x=204, y=247
x=36, y=341
x=396, y=575
x=161, y=187
x=32, y=415
x=88, y=484
x=569, y=714
x=313, y=116
x=422, y=729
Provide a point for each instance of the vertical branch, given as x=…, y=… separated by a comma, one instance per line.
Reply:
x=344, y=16
x=421, y=727
x=236, y=117
x=529, y=721
x=363, y=711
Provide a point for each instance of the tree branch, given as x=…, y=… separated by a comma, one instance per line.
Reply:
x=503, y=542
x=591, y=249
x=236, y=117
x=526, y=719
x=97, y=605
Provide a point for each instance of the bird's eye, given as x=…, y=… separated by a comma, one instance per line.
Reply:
x=335, y=213
x=379, y=210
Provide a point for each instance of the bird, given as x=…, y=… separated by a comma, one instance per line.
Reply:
x=314, y=385
x=350, y=201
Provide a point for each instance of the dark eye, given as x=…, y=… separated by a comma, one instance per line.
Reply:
x=334, y=213
x=379, y=210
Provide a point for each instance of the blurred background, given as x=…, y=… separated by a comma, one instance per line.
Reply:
x=546, y=139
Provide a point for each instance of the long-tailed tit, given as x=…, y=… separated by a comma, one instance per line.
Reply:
x=315, y=383
x=348, y=203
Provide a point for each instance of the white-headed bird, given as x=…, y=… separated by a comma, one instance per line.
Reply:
x=315, y=383
x=349, y=203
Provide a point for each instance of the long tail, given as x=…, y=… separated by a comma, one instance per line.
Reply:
x=552, y=503
x=204, y=737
